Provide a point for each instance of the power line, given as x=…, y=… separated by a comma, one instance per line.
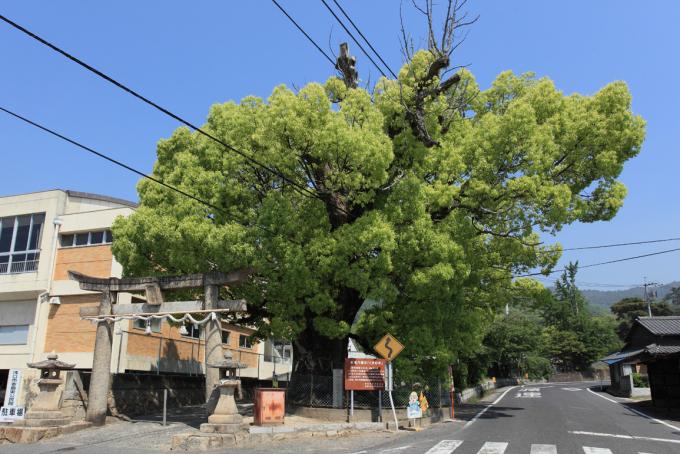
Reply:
x=602, y=263
x=108, y=158
x=602, y=246
x=353, y=38
x=130, y=168
x=304, y=32
x=365, y=39
x=158, y=107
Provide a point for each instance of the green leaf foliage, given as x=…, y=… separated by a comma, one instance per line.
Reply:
x=434, y=230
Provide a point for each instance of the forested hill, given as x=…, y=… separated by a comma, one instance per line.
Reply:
x=605, y=298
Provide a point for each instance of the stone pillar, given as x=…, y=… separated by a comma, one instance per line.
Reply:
x=100, y=381
x=213, y=350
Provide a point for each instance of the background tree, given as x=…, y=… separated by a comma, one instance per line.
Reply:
x=673, y=297
x=427, y=195
x=628, y=309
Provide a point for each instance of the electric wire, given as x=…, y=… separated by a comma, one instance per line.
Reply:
x=351, y=35
x=131, y=169
x=601, y=246
x=365, y=39
x=608, y=262
x=167, y=112
x=304, y=32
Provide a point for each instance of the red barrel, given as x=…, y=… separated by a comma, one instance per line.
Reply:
x=270, y=406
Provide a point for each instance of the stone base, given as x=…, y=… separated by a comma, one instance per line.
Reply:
x=225, y=419
x=206, y=442
x=220, y=428
x=52, y=422
x=24, y=434
x=45, y=418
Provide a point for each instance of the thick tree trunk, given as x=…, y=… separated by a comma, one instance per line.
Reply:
x=316, y=353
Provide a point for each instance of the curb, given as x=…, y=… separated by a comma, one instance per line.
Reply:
x=198, y=441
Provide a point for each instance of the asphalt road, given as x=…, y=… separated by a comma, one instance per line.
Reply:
x=538, y=419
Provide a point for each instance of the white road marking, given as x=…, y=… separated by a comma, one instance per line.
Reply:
x=572, y=389
x=491, y=447
x=359, y=452
x=483, y=410
x=445, y=447
x=528, y=395
x=400, y=448
x=589, y=450
x=532, y=390
x=543, y=449
x=627, y=437
x=637, y=412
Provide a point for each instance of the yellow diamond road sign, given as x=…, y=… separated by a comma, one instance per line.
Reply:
x=388, y=347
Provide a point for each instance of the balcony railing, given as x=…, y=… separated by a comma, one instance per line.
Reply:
x=24, y=262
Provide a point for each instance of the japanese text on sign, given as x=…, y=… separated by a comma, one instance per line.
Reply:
x=364, y=374
x=13, y=388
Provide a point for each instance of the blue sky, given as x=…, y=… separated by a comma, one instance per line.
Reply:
x=189, y=55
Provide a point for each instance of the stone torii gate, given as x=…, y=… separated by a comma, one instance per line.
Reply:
x=108, y=312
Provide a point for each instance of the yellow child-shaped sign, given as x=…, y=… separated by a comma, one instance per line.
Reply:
x=424, y=404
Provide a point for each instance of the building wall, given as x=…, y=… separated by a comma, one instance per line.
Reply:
x=169, y=351
x=21, y=291
x=30, y=285
x=68, y=335
x=91, y=260
x=664, y=381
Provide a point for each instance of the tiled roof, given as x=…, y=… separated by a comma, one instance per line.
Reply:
x=661, y=326
x=656, y=349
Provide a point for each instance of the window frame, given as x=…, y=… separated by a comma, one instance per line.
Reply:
x=228, y=334
x=107, y=238
x=25, y=265
x=27, y=332
x=191, y=328
x=142, y=325
x=248, y=341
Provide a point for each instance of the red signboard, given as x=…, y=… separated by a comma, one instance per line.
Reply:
x=364, y=374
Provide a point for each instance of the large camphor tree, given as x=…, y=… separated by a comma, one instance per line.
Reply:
x=425, y=196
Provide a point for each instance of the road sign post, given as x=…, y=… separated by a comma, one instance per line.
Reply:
x=389, y=348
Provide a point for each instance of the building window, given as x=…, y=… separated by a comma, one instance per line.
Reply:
x=14, y=335
x=20, y=243
x=191, y=330
x=155, y=325
x=245, y=341
x=225, y=336
x=86, y=238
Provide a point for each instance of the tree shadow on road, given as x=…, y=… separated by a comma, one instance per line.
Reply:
x=466, y=412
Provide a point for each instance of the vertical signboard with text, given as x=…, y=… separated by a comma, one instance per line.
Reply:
x=10, y=411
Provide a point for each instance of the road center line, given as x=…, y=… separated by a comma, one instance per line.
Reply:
x=637, y=412
x=627, y=437
x=483, y=410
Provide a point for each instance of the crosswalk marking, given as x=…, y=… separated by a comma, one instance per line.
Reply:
x=491, y=447
x=445, y=447
x=589, y=450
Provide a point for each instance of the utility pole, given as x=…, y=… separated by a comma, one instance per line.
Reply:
x=648, y=298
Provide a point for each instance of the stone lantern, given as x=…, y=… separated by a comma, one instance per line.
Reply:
x=226, y=418
x=44, y=410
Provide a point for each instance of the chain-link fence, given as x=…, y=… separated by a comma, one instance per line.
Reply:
x=317, y=391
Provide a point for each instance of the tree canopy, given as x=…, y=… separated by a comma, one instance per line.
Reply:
x=425, y=194
x=628, y=309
